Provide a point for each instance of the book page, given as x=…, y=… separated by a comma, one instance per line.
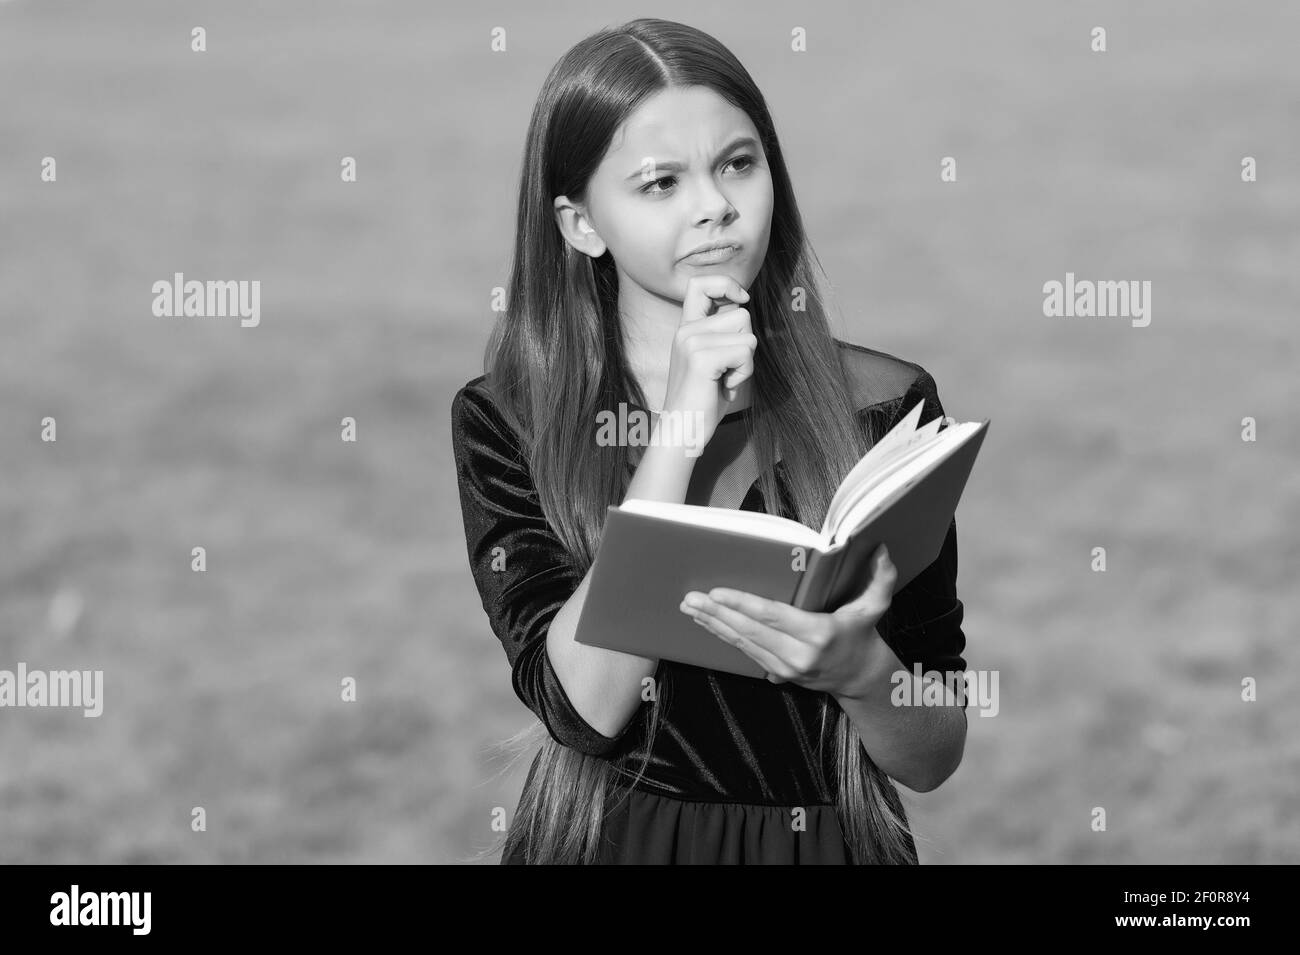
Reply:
x=752, y=523
x=901, y=475
x=882, y=475
x=896, y=436
x=863, y=480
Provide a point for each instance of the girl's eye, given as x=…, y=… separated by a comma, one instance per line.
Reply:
x=648, y=189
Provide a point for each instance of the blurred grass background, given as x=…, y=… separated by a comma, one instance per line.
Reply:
x=328, y=560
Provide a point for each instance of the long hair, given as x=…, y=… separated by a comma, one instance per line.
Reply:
x=556, y=358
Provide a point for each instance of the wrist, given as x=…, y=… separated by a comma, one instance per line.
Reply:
x=872, y=670
x=684, y=432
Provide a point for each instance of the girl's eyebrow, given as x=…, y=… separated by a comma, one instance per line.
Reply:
x=670, y=166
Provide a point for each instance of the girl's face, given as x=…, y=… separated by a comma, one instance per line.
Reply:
x=684, y=170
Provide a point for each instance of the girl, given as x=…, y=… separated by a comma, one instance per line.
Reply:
x=649, y=141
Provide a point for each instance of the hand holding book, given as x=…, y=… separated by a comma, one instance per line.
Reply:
x=832, y=652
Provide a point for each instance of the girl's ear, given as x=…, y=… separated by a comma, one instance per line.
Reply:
x=577, y=229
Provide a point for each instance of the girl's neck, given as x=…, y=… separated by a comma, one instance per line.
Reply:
x=654, y=396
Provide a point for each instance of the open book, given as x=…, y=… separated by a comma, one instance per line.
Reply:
x=903, y=493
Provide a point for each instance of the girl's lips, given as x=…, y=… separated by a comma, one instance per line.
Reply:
x=712, y=256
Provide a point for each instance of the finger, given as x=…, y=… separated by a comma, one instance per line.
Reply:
x=769, y=661
x=736, y=365
x=878, y=595
x=702, y=290
x=723, y=353
x=734, y=320
x=789, y=622
x=744, y=370
x=730, y=317
x=736, y=378
x=778, y=626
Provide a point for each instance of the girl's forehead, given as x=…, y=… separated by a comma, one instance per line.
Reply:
x=676, y=121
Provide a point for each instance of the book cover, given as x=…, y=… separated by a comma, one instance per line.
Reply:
x=646, y=564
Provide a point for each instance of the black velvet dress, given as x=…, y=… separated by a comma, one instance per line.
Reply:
x=734, y=760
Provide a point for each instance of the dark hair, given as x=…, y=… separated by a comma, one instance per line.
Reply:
x=556, y=358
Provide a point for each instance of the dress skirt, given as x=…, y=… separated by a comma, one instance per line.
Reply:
x=643, y=828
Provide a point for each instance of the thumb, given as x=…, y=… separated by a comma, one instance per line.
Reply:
x=875, y=599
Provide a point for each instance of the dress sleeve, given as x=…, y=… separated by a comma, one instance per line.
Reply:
x=923, y=623
x=523, y=572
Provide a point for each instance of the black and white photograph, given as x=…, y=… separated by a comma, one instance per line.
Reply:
x=597, y=434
